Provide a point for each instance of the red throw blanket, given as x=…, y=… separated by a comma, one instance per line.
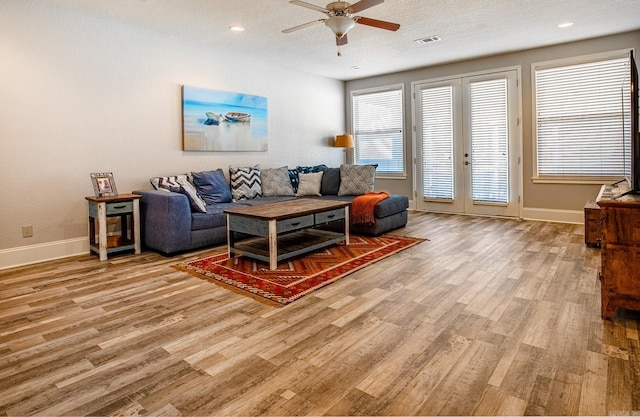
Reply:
x=363, y=206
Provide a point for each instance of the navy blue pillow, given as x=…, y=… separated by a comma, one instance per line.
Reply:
x=309, y=169
x=212, y=186
x=293, y=177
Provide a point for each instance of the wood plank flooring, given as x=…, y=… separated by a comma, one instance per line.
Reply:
x=488, y=317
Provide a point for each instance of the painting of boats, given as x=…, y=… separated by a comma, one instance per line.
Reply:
x=223, y=121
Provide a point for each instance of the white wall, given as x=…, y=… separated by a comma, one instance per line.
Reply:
x=80, y=94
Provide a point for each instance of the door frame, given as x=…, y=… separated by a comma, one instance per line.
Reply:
x=518, y=142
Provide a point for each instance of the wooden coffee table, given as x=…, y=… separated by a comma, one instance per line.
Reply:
x=285, y=229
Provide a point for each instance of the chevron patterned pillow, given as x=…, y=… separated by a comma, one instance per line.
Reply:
x=181, y=184
x=245, y=182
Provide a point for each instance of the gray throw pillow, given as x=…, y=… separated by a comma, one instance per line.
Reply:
x=356, y=179
x=276, y=182
x=330, y=181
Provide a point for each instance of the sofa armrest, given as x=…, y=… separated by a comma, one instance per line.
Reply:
x=166, y=220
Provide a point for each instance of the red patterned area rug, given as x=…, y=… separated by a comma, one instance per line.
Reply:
x=298, y=276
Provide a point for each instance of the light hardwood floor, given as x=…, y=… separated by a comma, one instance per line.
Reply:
x=487, y=317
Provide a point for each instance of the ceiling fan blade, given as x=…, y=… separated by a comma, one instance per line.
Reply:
x=302, y=26
x=363, y=4
x=377, y=23
x=309, y=6
x=341, y=41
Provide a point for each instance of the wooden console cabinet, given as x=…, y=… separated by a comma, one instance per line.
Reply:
x=620, y=254
x=592, y=224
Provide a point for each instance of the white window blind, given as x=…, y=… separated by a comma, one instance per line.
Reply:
x=582, y=112
x=437, y=142
x=378, y=129
x=489, y=141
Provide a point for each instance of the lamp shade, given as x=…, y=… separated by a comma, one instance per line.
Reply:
x=344, y=141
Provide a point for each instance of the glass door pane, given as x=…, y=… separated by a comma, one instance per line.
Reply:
x=489, y=141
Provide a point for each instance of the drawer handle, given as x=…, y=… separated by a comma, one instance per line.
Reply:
x=295, y=224
x=119, y=207
x=331, y=216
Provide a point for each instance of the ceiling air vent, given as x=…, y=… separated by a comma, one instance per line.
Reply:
x=428, y=39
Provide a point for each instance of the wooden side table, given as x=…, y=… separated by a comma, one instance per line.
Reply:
x=124, y=206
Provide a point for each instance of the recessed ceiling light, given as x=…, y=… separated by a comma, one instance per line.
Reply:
x=565, y=25
x=355, y=67
x=236, y=28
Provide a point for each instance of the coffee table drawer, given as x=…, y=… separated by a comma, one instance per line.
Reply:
x=329, y=216
x=295, y=223
x=255, y=227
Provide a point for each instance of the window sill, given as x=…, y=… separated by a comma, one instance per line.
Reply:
x=575, y=180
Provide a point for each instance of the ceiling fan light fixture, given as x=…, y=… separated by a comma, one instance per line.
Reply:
x=340, y=25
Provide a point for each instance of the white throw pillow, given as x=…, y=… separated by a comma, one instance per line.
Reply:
x=309, y=183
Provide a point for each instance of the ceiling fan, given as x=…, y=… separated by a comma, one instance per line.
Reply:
x=340, y=18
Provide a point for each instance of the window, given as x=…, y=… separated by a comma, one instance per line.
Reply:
x=581, y=116
x=378, y=129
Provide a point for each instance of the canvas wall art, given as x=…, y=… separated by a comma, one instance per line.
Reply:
x=222, y=121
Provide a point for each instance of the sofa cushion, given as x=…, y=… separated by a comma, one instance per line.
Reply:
x=276, y=182
x=310, y=183
x=214, y=217
x=212, y=186
x=356, y=179
x=263, y=200
x=245, y=182
x=180, y=184
x=330, y=181
x=391, y=205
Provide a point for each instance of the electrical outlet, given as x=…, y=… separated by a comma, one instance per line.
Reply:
x=27, y=230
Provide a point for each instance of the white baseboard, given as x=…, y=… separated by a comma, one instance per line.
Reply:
x=26, y=255
x=551, y=215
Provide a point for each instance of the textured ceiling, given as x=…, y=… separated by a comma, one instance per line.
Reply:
x=468, y=28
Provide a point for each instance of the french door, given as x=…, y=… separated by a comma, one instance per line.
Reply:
x=468, y=145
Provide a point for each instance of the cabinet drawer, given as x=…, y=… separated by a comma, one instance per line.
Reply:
x=121, y=207
x=329, y=216
x=294, y=223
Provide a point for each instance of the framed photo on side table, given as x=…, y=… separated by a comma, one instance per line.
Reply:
x=103, y=184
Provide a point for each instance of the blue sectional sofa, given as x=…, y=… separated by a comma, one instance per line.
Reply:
x=171, y=222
